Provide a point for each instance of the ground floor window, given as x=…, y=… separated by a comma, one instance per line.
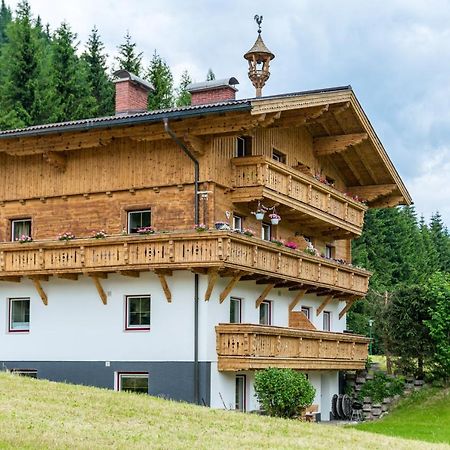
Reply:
x=240, y=393
x=30, y=373
x=265, y=313
x=137, y=312
x=235, y=310
x=326, y=321
x=19, y=314
x=133, y=382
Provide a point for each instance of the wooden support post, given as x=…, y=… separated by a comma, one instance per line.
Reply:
x=230, y=286
x=11, y=279
x=98, y=285
x=68, y=276
x=212, y=278
x=324, y=303
x=264, y=294
x=165, y=286
x=38, y=286
x=347, y=307
x=130, y=273
x=297, y=298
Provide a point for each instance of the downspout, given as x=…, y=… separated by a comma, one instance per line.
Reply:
x=196, y=277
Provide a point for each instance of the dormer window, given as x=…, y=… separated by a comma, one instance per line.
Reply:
x=243, y=146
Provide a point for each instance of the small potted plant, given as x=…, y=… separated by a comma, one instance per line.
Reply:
x=277, y=242
x=274, y=218
x=145, y=230
x=200, y=227
x=23, y=239
x=67, y=236
x=248, y=232
x=222, y=226
x=101, y=234
x=292, y=245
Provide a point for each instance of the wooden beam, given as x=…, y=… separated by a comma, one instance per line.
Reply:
x=38, y=286
x=68, y=276
x=329, y=145
x=340, y=109
x=213, y=274
x=130, y=273
x=263, y=295
x=41, y=277
x=11, y=279
x=98, y=285
x=230, y=286
x=388, y=201
x=298, y=296
x=161, y=274
x=102, y=275
x=347, y=306
x=327, y=300
x=372, y=192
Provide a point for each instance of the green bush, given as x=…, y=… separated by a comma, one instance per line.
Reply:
x=283, y=392
x=381, y=386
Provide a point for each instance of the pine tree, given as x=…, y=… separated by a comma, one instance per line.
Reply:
x=210, y=75
x=5, y=20
x=70, y=91
x=183, y=95
x=100, y=85
x=20, y=71
x=441, y=241
x=161, y=78
x=127, y=58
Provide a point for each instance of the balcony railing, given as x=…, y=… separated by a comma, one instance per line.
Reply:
x=246, y=347
x=220, y=249
x=260, y=177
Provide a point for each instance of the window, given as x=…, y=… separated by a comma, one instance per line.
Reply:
x=278, y=156
x=243, y=146
x=306, y=310
x=329, y=251
x=266, y=231
x=21, y=227
x=30, y=373
x=238, y=222
x=137, y=314
x=308, y=239
x=133, y=382
x=139, y=219
x=265, y=313
x=326, y=321
x=240, y=393
x=19, y=315
x=235, y=310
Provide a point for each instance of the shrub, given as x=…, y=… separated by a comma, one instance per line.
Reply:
x=283, y=392
x=381, y=387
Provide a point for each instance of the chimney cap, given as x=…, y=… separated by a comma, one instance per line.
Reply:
x=124, y=75
x=213, y=84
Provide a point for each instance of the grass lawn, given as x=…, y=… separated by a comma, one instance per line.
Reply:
x=41, y=414
x=425, y=415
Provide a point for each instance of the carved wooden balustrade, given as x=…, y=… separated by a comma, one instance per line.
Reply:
x=212, y=249
x=259, y=177
x=247, y=346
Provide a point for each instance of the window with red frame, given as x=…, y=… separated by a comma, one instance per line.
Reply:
x=137, y=312
x=19, y=315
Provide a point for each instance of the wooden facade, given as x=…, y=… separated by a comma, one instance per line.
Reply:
x=87, y=179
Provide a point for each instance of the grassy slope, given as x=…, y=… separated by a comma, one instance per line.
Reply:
x=425, y=415
x=41, y=414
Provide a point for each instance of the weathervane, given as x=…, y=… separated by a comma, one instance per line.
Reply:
x=258, y=20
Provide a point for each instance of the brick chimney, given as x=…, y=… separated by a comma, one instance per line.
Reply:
x=131, y=92
x=213, y=91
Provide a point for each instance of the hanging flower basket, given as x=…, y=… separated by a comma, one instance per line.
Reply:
x=259, y=215
x=274, y=218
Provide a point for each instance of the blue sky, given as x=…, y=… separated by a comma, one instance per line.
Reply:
x=395, y=54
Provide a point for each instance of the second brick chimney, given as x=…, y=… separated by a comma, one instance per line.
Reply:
x=213, y=91
x=131, y=92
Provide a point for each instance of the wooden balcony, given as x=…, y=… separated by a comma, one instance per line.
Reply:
x=225, y=251
x=247, y=347
x=301, y=197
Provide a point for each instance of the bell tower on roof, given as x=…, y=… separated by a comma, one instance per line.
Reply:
x=259, y=57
